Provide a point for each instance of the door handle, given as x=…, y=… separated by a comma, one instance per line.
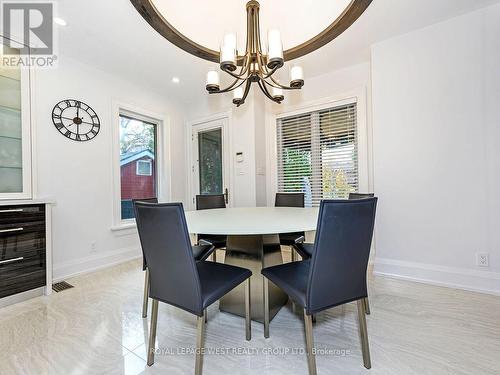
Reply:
x=11, y=260
x=226, y=195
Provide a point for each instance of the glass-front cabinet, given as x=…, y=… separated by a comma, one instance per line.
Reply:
x=15, y=136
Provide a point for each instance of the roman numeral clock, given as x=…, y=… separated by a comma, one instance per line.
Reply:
x=75, y=120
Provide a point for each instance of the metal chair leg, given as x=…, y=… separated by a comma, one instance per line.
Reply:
x=266, y=308
x=152, y=333
x=214, y=256
x=198, y=368
x=363, y=334
x=367, y=306
x=248, y=321
x=311, y=358
x=146, y=294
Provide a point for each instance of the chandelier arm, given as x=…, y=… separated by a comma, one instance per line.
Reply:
x=237, y=83
x=266, y=92
x=245, y=94
x=269, y=73
x=279, y=85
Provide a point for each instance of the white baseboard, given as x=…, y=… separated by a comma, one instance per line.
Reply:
x=452, y=277
x=91, y=263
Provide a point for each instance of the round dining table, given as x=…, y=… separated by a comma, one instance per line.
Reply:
x=253, y=243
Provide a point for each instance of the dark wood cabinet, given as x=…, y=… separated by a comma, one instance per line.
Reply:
x=22, y=248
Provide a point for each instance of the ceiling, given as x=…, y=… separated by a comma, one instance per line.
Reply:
x=113, y=37
x=187, y=15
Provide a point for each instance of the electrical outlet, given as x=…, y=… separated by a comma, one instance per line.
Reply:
x=482, y=259
x=93, y=247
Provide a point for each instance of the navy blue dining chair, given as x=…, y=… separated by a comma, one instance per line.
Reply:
x=335, y=274
x=305, y=249
x=290, y=200
x=200, y=252
x=176, y=278
x=208, y=202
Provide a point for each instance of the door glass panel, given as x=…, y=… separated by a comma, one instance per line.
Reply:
x=137, y=162
x=11, y=176
x=210, y=161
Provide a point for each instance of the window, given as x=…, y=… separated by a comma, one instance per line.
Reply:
x=318, y=154
x=144, y=168
x=138, y=176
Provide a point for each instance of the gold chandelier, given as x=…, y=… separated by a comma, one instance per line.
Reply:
x=255, y=65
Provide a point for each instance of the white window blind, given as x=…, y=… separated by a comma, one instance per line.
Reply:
x=318, y=154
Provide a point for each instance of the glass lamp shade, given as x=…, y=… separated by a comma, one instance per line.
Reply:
x=296, y=77
x=228, y=53
x=238, y=95
x=275, y=49
x=213, y=81
x=278, y=94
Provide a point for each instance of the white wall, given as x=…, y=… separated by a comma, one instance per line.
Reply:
x=436, y=127
x=78, y=175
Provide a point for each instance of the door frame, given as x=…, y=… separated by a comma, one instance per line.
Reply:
x=227, y=158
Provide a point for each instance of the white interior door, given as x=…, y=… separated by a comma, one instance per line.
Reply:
x=210, y=159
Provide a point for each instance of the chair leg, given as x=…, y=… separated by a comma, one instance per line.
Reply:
x=248, y=321
x=363, y=334
x=367, y=306
x=266, y=308
x=198, y=368
x=294, y=254
x=311, y=358
x=146, y=294
x=152, y=333
x=205, y=314
x=214, y=256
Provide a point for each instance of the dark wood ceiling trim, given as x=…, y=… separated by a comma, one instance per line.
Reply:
x=149, y=12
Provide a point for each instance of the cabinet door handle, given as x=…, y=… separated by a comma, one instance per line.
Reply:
x=11, y=260
x=11, y=210
x=11, y=230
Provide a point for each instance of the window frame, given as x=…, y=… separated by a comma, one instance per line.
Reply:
x=365, y=163
x=162, y=158
x=149, y=163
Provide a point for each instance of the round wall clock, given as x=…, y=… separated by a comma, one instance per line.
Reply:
x=75, y=120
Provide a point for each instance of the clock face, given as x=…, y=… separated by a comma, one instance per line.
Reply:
x=75, y=120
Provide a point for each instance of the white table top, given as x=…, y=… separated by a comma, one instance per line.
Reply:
x=252, y=220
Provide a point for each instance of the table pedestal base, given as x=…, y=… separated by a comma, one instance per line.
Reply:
x=253, y=252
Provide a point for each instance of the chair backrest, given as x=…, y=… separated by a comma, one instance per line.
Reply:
x=341, y=251
x=206, y=202
x=361, y=195
x=147, y=200
x=289, y=200
x=166, y=245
